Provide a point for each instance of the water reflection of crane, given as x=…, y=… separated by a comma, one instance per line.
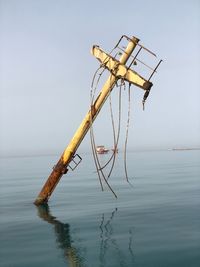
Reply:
x=108, y=242
x=63, y=237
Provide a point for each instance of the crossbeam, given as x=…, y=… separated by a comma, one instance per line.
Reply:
x=119, y=70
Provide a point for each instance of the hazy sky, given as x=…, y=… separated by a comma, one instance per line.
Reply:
x=46, y=70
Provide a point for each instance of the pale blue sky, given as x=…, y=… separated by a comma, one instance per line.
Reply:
x=46, y=70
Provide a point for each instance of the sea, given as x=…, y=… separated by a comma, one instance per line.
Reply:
x=153, y=222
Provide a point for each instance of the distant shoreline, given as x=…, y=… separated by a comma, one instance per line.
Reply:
x=57, y=154
x=186, y=148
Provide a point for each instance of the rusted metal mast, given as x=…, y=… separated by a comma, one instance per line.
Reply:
x=118, y=71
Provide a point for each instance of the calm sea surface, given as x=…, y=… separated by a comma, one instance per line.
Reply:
x=153, y=223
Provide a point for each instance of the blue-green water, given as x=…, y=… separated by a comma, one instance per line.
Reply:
x=154, y=223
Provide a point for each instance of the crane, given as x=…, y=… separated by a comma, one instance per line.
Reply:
x=118, y=70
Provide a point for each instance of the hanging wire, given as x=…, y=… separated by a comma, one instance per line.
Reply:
x=116, y=134
x=93, y=91
x=93, y=145
x=94, y=88
x=127, y=131
x=116, y=141
x=94, y=157
x=97, y=163
x=92, y=140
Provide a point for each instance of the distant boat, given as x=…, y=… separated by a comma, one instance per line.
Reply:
x=101, y=150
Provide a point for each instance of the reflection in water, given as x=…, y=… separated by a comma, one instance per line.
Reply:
x=63, y=237
x=108, y=244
